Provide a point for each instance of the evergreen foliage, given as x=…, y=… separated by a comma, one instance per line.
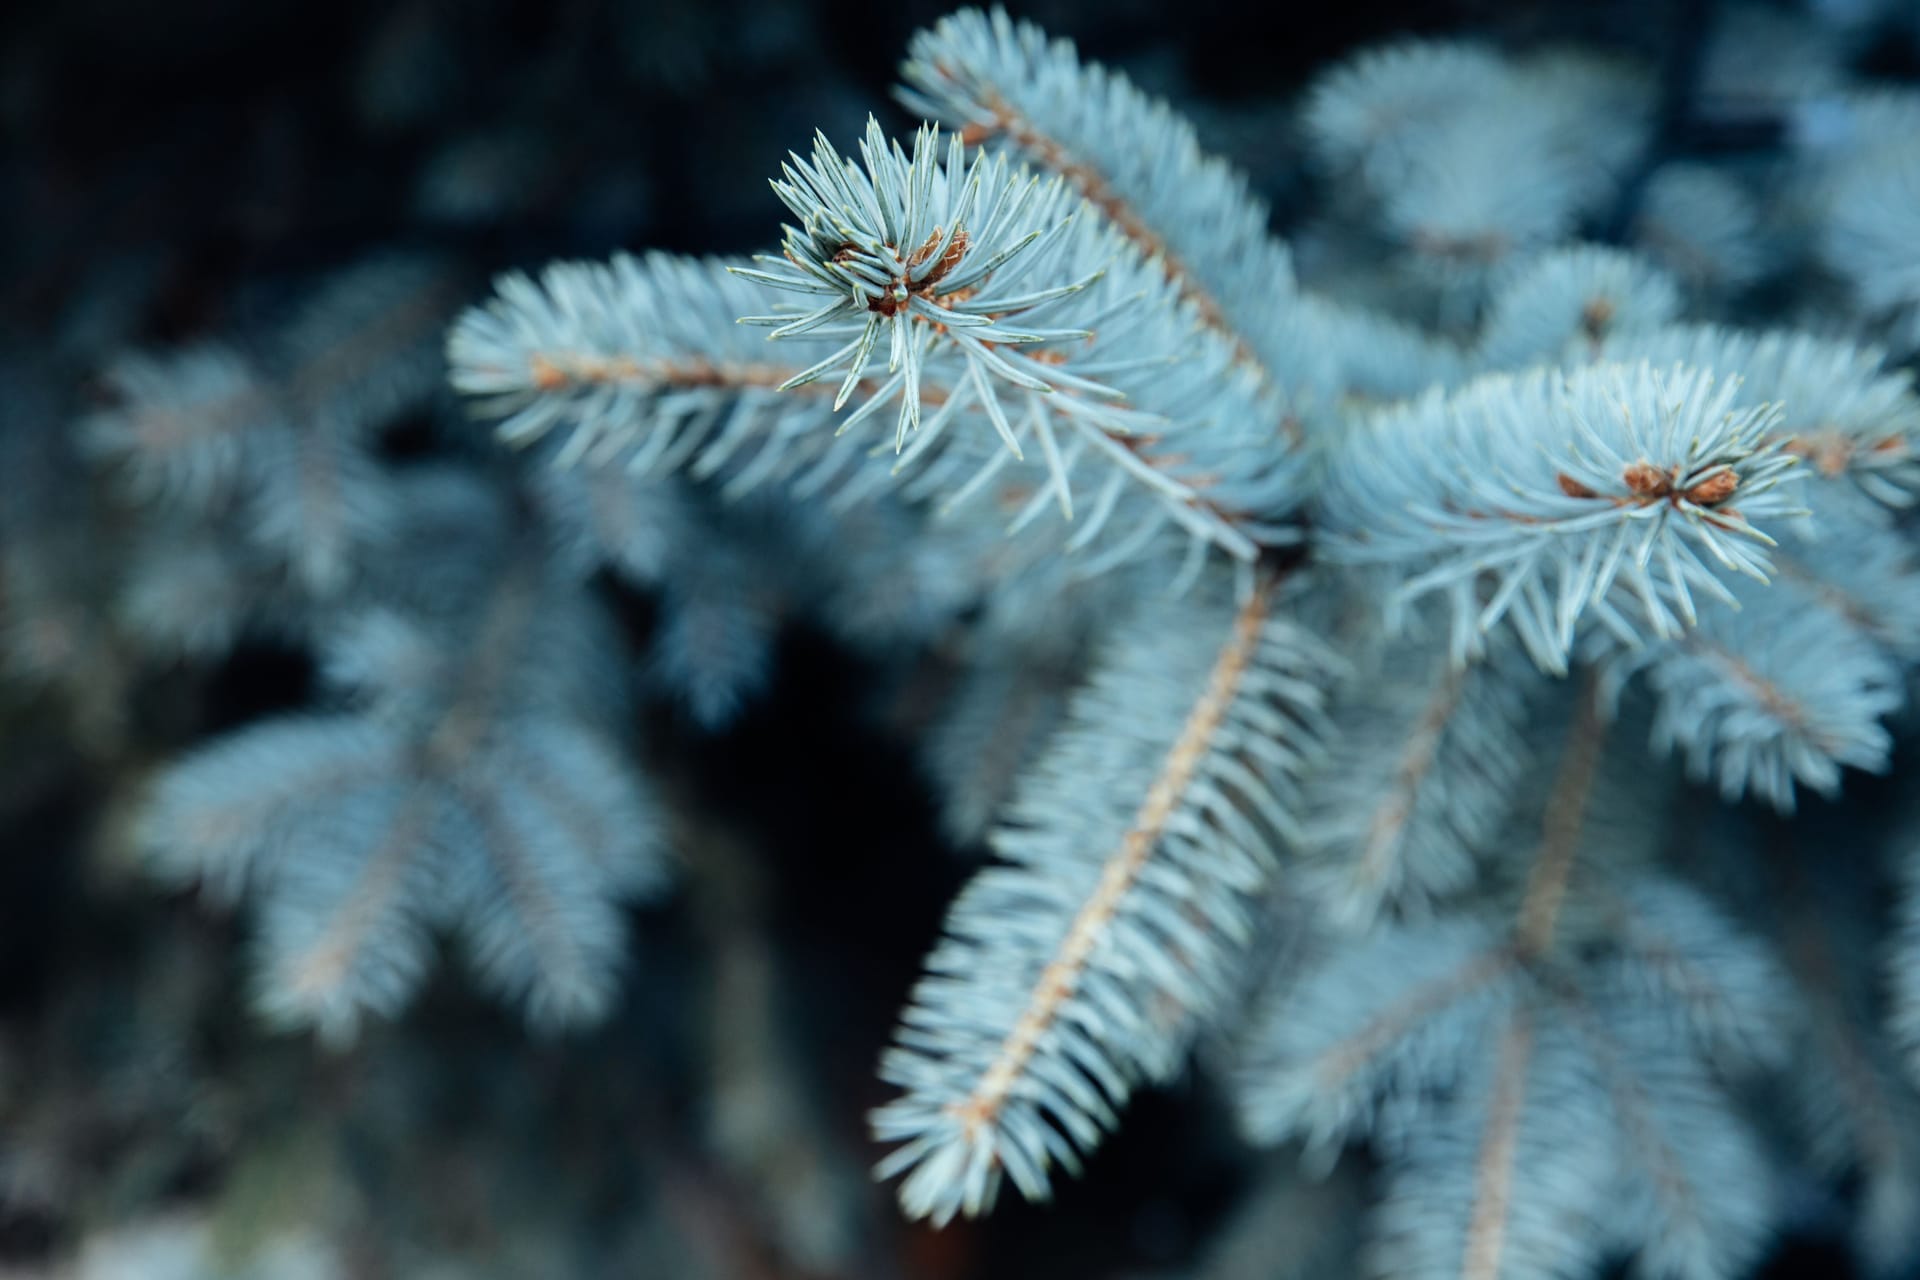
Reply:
x=1402, y=710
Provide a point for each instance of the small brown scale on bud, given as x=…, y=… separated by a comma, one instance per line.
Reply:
x=948, y=260
x=1649, y=483
x=892, y=302
x=1644, y=480
x=1714, y=489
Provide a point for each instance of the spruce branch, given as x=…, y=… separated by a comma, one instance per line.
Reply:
x=458, y=784
x=1723, y=991
x=180, y=427
x=260, y=451
x=1536, y=498
x=1328, y=1049
x=1844, y=410
x=926, y=249
x=1079, y=966
x=1398, y=840
x=1573, y=1105
x=1495, y=1172
x=1024, y=307
x=1782, y=692
x=634, y=364
x=1510, y=1178
x=1130, y=156
x=1580, y=301
x=637, y=358
x=1566, y=815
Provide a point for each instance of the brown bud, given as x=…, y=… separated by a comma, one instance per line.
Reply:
x=926, y=248
x=1716, y=488
x=1647, y=481
x=956, y=250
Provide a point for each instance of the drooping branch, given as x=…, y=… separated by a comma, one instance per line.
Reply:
x=1062, y=976
x=1126, y=154
x=1497, y=1165
x=1080, y=964
x=1566, y=818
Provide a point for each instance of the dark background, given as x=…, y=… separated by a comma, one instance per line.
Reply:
x=234, y=139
